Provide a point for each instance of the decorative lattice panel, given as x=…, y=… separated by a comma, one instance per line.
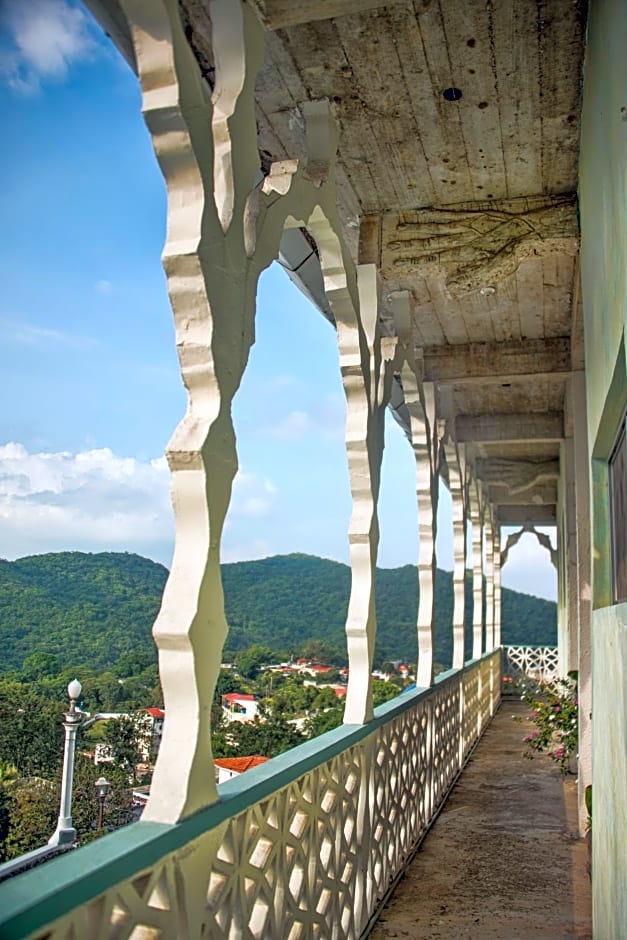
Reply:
x=485, y=702
x=538, y=663
x=313, y=859
x=471, y=710
x=445, y=750
x=495, y=683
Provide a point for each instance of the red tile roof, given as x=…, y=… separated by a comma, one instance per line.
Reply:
x=240, y=764
x=155, y=712
x=237, y=696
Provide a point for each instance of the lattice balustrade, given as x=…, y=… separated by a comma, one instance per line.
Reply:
x=521, y=663
x=485, y=701
x=471, y=681
x=305, y=846
x=446, y=734
x=495, y=684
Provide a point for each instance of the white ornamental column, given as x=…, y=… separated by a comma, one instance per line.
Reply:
x=367, y=378
x=476, y=512
x=584, y=590
x=421, y=404
x=497, y=584
x=457, y=481
x=225, y=222
x=489, y=582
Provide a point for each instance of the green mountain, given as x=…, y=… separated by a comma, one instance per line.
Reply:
x=93, y=608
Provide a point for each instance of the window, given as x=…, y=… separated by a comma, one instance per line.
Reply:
x=618, y=514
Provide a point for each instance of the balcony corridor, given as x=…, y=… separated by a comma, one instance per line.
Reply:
x=503, y=860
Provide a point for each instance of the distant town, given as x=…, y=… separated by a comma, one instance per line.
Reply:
x=263, y=705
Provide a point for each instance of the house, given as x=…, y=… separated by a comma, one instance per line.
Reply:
x=238, y=706
x=149, y=728
x=229, y=767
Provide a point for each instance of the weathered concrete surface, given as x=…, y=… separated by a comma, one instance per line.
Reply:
x=504, y=859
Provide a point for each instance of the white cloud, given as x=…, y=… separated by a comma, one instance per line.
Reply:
x=294, y=425
x=95, y=500
x=91, y=501
x=253, y=496
x=46, y=37
x=29, y=334
x=104, y=287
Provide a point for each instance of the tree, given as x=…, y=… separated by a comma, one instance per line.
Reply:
x=32, y=805
x=226, y=682
x=249, y=662
x=129, y=737
x=267, y=737
x=8, y=776
x=39, y=665
x=31, y=732
x=118, y=804
x=323, y=721
x=383, y=691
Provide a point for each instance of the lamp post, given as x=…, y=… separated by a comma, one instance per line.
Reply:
x=65, y=833
x=102, y=788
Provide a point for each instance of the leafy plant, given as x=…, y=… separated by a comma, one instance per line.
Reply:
x=554, y=712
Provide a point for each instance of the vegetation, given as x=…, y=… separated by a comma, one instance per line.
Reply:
x=555, y=713
x=96, y=611
x=90, y=616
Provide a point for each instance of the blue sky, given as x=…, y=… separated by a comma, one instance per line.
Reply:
x=91, y=386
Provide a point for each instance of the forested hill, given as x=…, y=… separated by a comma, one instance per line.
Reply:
x=92, y=608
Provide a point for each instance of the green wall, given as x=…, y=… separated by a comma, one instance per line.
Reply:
x=603, y=206
x=603, y=201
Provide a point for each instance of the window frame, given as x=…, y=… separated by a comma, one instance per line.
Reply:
x=618, y=532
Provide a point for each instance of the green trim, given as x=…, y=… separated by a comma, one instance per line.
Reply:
x=611, y=419
x=29, y=901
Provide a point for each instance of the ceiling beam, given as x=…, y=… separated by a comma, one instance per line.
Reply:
x=517, y=476
x=520, y=515
x=495, y=363
x=545, y=495
x=509, y=428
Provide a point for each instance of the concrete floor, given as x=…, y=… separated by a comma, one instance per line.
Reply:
x=504, y=860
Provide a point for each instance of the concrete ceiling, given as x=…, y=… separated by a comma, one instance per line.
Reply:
x=469, y=204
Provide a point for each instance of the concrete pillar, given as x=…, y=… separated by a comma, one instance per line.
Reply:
x=457, y=483
x=489, y=583
x=360, y=356
x=571, y=599
x=567, y=564
x=225, y=223
x=476, y=511
x=424, y=440
x=584, y=587
x=497, y=584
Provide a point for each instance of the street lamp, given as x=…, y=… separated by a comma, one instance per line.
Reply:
x=65, y=833
x=102, y=788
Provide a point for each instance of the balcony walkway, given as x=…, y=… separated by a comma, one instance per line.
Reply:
x=503, y=861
